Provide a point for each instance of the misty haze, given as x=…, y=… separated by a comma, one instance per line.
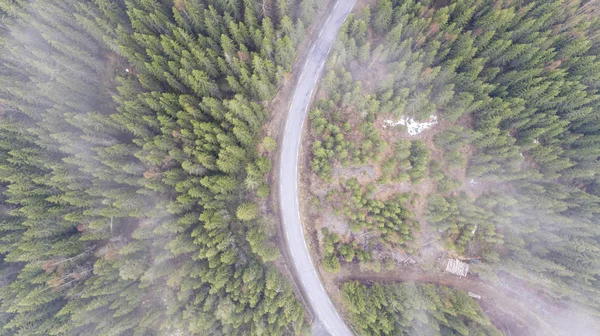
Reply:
x=299, y=167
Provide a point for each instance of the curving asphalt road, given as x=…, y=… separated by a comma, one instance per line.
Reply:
x=306, y=272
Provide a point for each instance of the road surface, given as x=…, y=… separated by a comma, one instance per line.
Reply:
x=306, y=272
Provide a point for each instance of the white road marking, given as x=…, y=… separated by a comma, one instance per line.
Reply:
x=298, y=109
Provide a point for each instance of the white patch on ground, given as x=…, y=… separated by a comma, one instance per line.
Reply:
x=472, y=182
x=414, y=127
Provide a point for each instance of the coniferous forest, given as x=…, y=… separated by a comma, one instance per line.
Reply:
x=135, y=170
x=504, y=175
x=409, y=309
x=132, y=165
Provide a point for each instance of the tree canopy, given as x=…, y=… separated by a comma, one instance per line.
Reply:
x=509, y=171
x=414, y=309
x=129, y=136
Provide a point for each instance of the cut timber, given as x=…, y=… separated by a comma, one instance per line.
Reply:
x=473, y=295
x=457, y=267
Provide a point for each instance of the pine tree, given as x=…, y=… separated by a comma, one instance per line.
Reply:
x=247, y=211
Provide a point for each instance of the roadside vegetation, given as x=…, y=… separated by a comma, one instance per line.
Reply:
x=505, y=172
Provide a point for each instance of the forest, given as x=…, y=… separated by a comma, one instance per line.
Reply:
x=414, y=309
x=134, y=166
x=506, y=173
x=133, y=169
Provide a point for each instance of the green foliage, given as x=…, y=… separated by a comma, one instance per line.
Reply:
x=332, y=132
x=409, y=309
x=461, y=220
x=382, y=16
x=330, y=260
x=418, y=158
x=334, y=251
x=269, y=144
x=395, y=168
x=309, y=9
x=247, y=211
x=409, y=160
x=333, y=144
x=129, y=137
x=444, y=181
x=390, y=219
x=514, y=86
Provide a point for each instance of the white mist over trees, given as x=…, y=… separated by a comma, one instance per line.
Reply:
x=127, y=129
x=133, y=165
x=514, y=161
